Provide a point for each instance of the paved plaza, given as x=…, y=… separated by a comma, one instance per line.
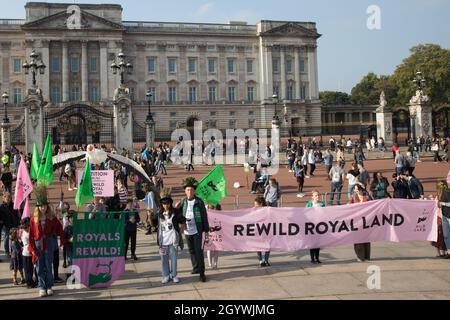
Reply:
x=409, y=270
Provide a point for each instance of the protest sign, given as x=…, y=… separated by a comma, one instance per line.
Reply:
x=102, y=182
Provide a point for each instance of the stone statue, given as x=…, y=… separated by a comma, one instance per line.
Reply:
x=419, y=98
x=383, y=103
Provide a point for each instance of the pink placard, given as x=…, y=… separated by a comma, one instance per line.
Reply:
x=293, y=229
x=102, y=182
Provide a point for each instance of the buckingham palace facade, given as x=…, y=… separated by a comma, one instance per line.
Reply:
x=224, y=75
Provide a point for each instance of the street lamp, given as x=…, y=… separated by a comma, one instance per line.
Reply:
x=35, y=66
x=149, y=101
x=275, y=119
x=121, y=66
x=5, y=98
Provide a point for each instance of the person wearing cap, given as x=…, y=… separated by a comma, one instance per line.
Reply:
x=44, y=230
x=194, y=211
x=170, y=224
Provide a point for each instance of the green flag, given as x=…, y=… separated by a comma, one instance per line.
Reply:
x=35, y=162
x=213, y=187
x=85, y=192
x=45, y=174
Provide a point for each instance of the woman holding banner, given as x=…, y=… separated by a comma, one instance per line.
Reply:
x=314, y=253
x=362, y=250
x=260, y=202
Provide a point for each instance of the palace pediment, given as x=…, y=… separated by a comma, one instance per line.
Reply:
x=292, y=29
x=73, y=20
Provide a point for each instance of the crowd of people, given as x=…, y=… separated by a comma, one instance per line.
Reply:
x=33, y=244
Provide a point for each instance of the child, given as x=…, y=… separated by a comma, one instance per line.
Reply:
x=27, y=260
x=68, y=237
x=213, y=255
x=16, y=256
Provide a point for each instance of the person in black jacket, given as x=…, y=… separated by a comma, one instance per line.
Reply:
x=415, y=187
x=7, y=179
x=132, y=219
x=400, y=186
x=9, y=217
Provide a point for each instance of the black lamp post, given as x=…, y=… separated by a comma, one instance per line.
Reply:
x=5, y=98
x=149, y=101
x=35, y=66
x=275, y=119
x=121, y=66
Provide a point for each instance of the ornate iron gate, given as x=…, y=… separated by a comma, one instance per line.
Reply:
x=80, y=124
x=139, y=132
x=18, y=134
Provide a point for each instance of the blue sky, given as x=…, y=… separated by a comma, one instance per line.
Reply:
x=347, y=50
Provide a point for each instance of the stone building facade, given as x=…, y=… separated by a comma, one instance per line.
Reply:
x=221, y=74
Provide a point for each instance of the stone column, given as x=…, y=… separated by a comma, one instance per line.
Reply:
x=265, y=71
x=297, y=74
x=84, y=72
x=384, y=121
x=6, y=136
x=104, y=70
x=123, y=121
x=65, y=71
x=34, y=121
x=45, y=78
x=420, y=106
x=283, y=89
x=312, y=73
x=150, y=133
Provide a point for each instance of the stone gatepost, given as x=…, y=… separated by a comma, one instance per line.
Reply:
x=384, y=121
x=421, y=112
x=34, y=120
x=123, y=120
x=6, y=135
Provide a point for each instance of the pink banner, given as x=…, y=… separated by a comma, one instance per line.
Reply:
x=102, y=182
x=23, y=184
x=293, y=229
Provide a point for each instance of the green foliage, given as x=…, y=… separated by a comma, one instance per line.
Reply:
x=430, y=59
x=334, y=97
x=434, y=63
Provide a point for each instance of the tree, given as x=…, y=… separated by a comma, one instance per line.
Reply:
x=334, y=97
x=434, y=63
x=365, y=92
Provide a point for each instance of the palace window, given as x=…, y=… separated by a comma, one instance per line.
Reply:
x=93, y=65
x=232, y=94
x=212, y=94
x=250, y=91
x=275, y=66
x=192, y=94
x=302, y=66
x=17, y=65
x=249, y=66
x=56, y=65
x=192, y=65
x=93, y=94
x=75, y=64
x=151, y=65
x=172, y=94
x=231, y=66
x=17, y=96
x=56, y=94
x=211, y=66
x=75, y=93
x=172, y=65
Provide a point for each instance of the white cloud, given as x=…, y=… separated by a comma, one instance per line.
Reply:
x=205, y=9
